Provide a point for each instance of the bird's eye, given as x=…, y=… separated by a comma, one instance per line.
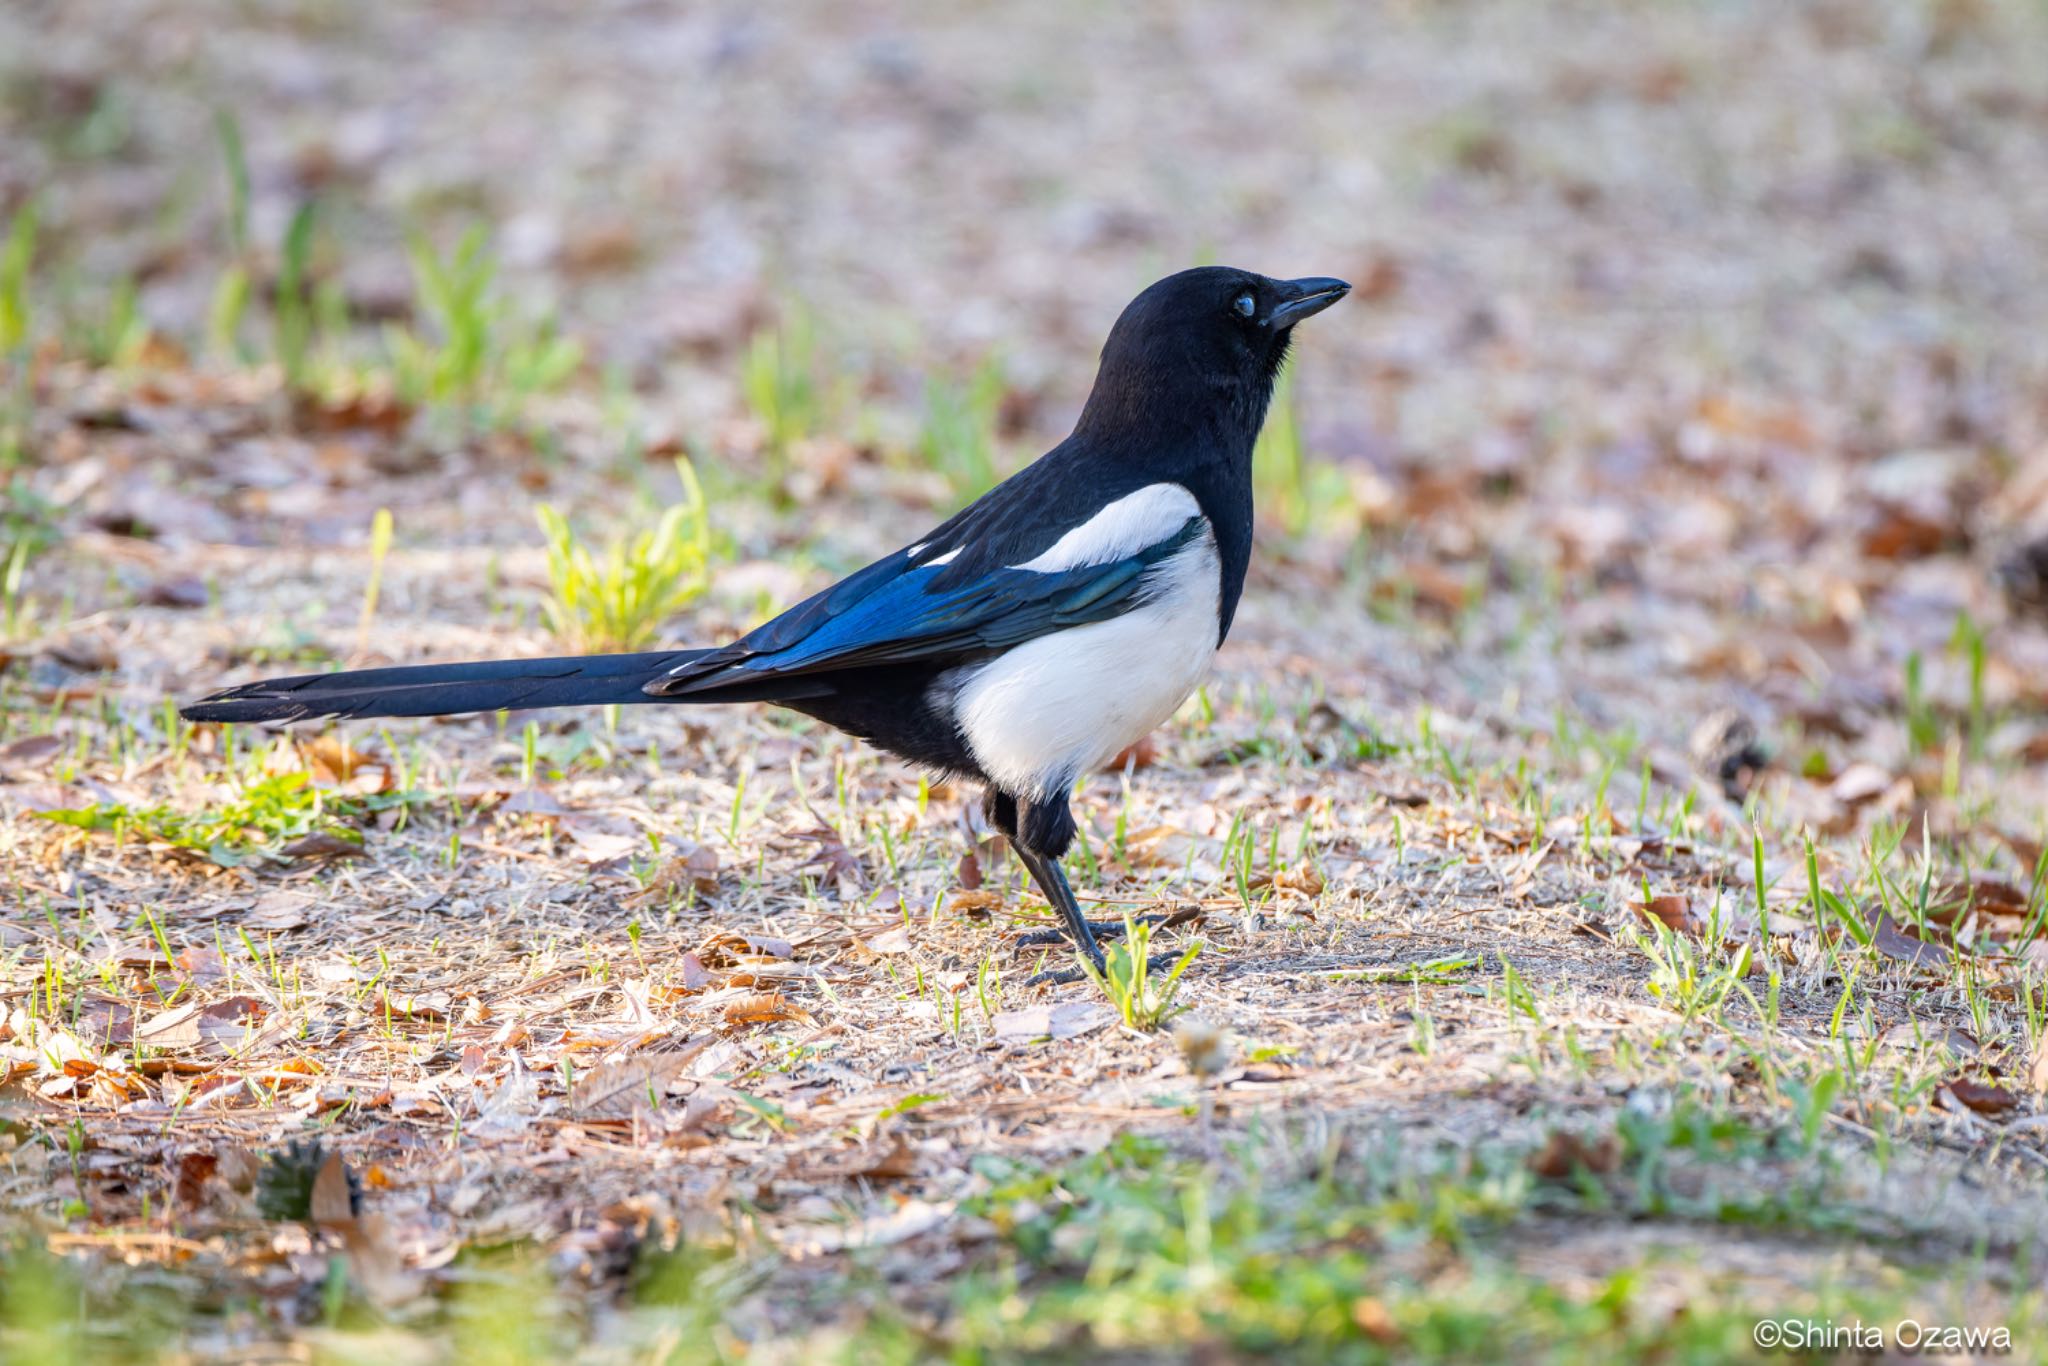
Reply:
x=1245, y=305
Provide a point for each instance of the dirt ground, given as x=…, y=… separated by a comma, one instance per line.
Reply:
x=1613, y=833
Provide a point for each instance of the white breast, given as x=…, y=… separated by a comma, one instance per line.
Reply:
x=1039, y=716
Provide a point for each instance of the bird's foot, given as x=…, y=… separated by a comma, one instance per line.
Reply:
x=1109, y=929
x=1101, y=929
x=1052, y=977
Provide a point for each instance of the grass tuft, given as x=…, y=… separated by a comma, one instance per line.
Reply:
x=618, y=599
x=1141, y=1001
x=477, y=355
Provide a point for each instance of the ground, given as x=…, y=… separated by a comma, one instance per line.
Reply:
x=1613, y=835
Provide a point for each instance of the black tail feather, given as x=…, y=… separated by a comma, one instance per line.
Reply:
x=444, y=689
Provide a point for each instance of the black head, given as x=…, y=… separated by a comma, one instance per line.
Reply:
x=1202, y=347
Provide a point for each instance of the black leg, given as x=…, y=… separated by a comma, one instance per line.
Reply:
x=1052, y=883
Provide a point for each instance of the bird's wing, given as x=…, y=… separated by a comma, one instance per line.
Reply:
x=912, y=606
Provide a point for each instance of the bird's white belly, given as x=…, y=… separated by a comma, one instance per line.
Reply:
x=1039, y=716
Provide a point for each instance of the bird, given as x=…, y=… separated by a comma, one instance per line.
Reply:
x=1022, y=643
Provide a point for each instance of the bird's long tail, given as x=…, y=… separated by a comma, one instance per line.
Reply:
x=444, y=689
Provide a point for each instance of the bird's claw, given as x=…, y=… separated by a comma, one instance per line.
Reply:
x=1101, y=929
x=1051, y=977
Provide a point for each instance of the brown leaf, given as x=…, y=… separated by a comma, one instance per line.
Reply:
x=1373, y=1320
x=194, y=1169
x=225, y=1022
x=172, y=1028
x=1674, y=911
x=968, y=903
x=765, y=1007
x=322, y=844
x=30, y=751
x=1564, y=1153
x=1304, y=878
x=726, y=947
x=335, y=763
x=364, y=408
x=87, y=653
x=833, y=855
x=1142, y=754
x=1891, y=940
x=890, y=1161
x=201, y=965
x=696, y=977
x=620, y=1089
x=696, y=869
x=238, y=1167
x=185, y=591
x=332, y=1203
x=1986, y=1098
x=968, y=872
x=1986, y=893
x=2039, y=1076
x=1900, y=532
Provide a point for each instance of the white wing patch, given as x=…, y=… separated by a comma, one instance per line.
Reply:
x=1124, y=527
x=1040, y=715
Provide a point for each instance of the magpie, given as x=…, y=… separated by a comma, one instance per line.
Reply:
x=1024, y=642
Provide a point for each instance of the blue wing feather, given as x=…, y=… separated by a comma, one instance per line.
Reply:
x=898, y=610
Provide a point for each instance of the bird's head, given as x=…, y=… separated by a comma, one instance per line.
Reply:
x=1203, y=346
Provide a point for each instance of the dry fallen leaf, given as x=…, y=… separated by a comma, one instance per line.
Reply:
x=194, y=1170
x=333, y=1203
x=890, y=1161
x=1304, y=878
x=1142, y=754
x=1985, y=1098
x=1893, y=942
x=1067, y=1020
x=896, y=940
x=696, y=977
x=278, y=911
x=31, y=751
x=617, y=1089
x=334, y=763
x=765, y=1007
x=1673, y=910
x=696, y=869
x=1564, y=1153
x=967, y=903
x=1859, y=783
x=323, y=844
x=968, y=872
x=425, y=1005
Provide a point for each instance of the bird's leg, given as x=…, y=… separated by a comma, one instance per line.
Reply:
x=1052, y=884
x=1040, y=832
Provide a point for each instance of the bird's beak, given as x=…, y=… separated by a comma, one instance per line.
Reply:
x=1304, y=299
